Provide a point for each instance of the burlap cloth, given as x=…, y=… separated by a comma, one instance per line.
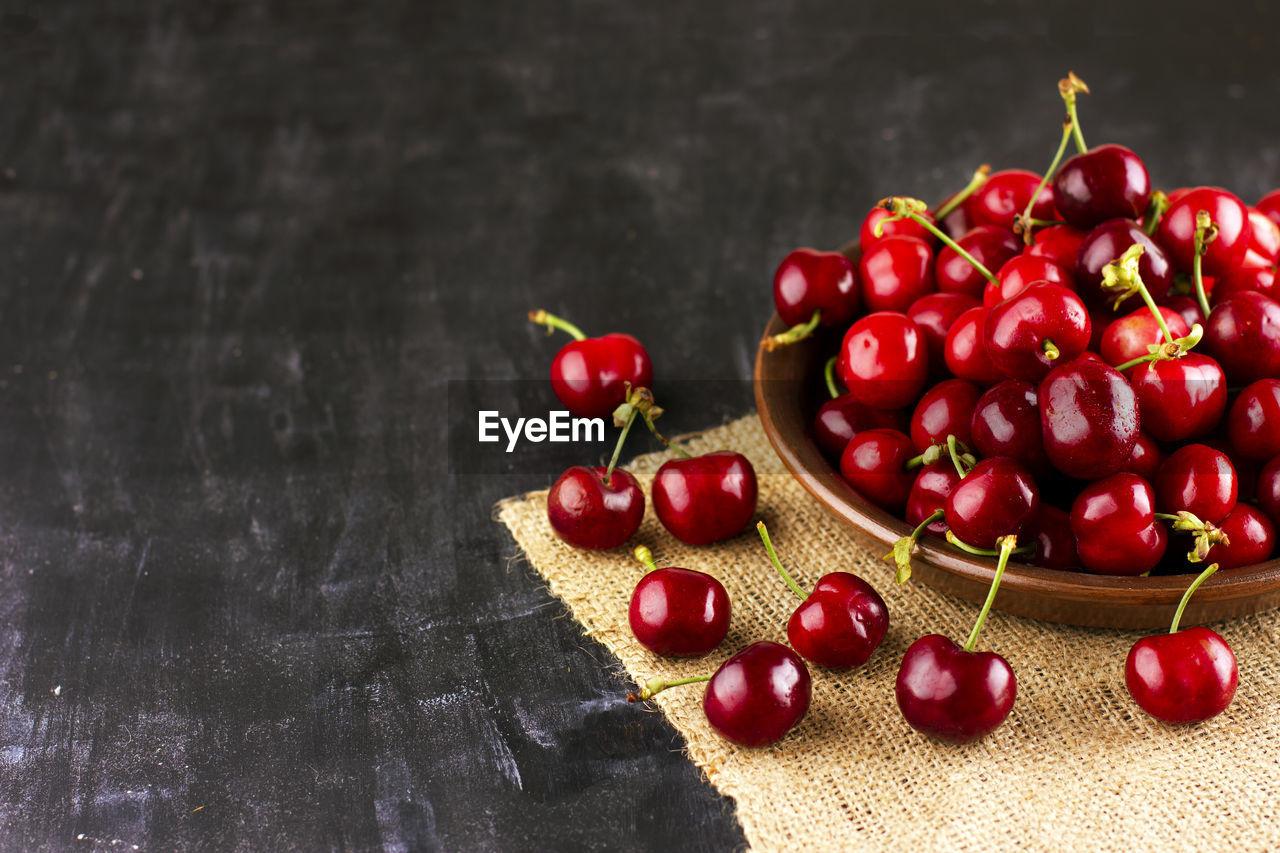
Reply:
x=1077, y=766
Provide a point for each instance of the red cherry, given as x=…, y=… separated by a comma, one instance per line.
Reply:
x=758, y=695
x=1006, y=422
x=1180, y=398
x=1115, y=526
x=952, y=694
x=1019, y=272
x=1005, y=195
x=1243, y=334
x=1254, y=420
x=875, y=464
x=589, y=508
x=929, y=493
x=965, y=351
x=1241, y=279
x=1251, y=538
x=989, y=245
x=589, y=375
x=1128, y=337
x=1269, y=206
x=844, y=417
x=678, y=612
x=808, y=280
x=1177, y=229
x=1264, y=240
x=945, y=409
x=1198, y=479
x=1028, y=334
x=1145, y=458
x=707, y=498
x=1055, y=543
x=1089, y=418
x=935, y=314
x=895, y=272
x=1057, y=243
x=996, y=498
x=883, y=361
x=1107, y=242
x=1186, y=306
x=895, y=228
x=1269, y=489
x=1102, y=183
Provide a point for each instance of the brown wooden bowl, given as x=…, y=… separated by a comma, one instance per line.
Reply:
x=785, y=384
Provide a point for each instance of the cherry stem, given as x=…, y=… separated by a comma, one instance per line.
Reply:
x=901, y=207
x=1051, y=350
x=773, y=555
x=1155, y=212
x=617, y=448
x=983, y=552
x=829, y=374
x=1186, y=596
x=1123, y=278
x=645, y=558
x=552, y=322
x=665, y=443
x=1177, y=349
x=1026, y=220
x=1068, y=87
x=901, y=553
x=798, y=332
x=958, y=458
x=979, y=178
x=1007, y=546
x=1206, y=534
x=654, y=686
x=1206, y=233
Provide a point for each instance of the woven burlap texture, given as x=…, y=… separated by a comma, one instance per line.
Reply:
x=1077, y=766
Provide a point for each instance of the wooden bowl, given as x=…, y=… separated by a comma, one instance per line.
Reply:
x=787, y=383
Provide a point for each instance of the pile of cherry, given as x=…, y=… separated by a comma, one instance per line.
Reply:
x=1073, y=369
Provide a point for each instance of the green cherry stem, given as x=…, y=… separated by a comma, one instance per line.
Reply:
x=1122, y=279
x=900, y=556
x=1007, y=546
x=617, y=448
x=654, y=686
x=1068, y=88
x=1177, y=349
x=1155, y=212
x=902, y=207
x=1206, y=233
x=1186, y=596
x=773, y=555
x=552, y=322
x=983, y=552
x=798, y=332
x=979, y=178
x=829, y=374
x=959, y=458
x=1026, y=219
x=1206, y=534
x=645, y=557
x=1050, y=350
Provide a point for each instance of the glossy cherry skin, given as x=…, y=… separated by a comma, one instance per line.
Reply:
x=895, y=272
x=1058, y=243
x=705, y=498
x=998, y=497
x=935, y=314
x=1251, y=539
x=808, y=280
x=965, y=351
x=1177, y=228
x=1198, y=479
x=898, y=227
x=1186, y=307
x=1264, y=240
x=1268, y=489
x=1006, y=422
x=929, y=493
x=679, y=612
x=1106, y=243
x=1128, y=337
x=1269, y=206
x=990, y=245
x=587, y=512
x=883, y=360
x=1017, y=329
x=1115, y=526
x=1089, y=418
x=1243, y=334
x=1180, y=398
x=1102, y=183
x=1241, y=279
x=953, y=695
x=590, y=376
x=1022, y=271
x=1186, y=677
x=1145, y=459
x=844, y=417
x=1050, y=531
x=1005, y=195
x=841, y=622
x=874, y=463
x=758, y=695
x=945, y=409
x=1254, y=420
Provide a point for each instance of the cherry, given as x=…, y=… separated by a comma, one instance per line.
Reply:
x=590, y=375
x=895, y=272
x=1089, y=418
x=1129, y=337
x=1264, y=240
x=707, y=498
x=1184, y=676
x=1254, y=420
x=1269, y=206
x=945, y=409
x=954, y=693
x=1027, y=334
x=965, y=351
x=754, y=698
x=1006, y=422
x=1057, y=243
x=929, y=493
x=1243, y=334
x=1180, y=398
x=1055, y=543
x=1177, y=229
x=1197, y=479
x=678, y=612
x=935, y=314
x=1186, y=307
x=990, y=245
x=1005, y=195
x=1145, y=458
x=1269, y=489
x=813, y=288
x=1107, y=242
x=1261, y=279
x=893, y=228
x=997, y=497
x=840, y=623
x=591, y=508
x=1019, y=272
x=878, y=464
x=883, y=360
x=842, y=418
x=1115, y=526
x=1103, y=183
x=1250, y=538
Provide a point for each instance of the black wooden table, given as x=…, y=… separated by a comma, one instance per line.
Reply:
x=262, y=263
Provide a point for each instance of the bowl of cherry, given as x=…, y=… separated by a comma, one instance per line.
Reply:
x=1075, y=367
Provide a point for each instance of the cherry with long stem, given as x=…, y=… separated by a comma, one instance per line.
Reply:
x=1206, y=233
x=1186, y=596
x=903, y=207
x=979, y=178
x=1122, y=278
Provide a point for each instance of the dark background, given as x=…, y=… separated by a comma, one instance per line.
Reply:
x=257, y=260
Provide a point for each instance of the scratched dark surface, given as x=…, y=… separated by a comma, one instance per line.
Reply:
x=251, y=593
